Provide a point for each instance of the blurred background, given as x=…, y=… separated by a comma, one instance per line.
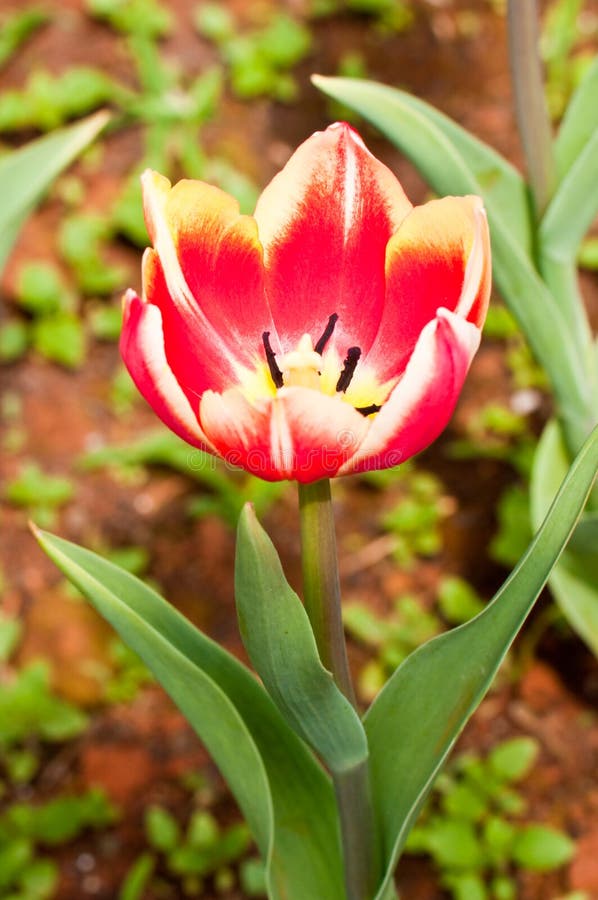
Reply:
x=104, y=790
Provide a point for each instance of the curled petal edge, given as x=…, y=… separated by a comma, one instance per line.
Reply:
x=142, y=348
x=422, y=403
x=156, y=191
x=475, y=294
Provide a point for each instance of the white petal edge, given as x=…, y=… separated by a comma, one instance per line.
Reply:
x=478, y=256
x=155, y=194
x=148, y=353
x=413, y=387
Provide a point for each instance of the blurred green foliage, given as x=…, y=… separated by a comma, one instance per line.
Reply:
x=472, y=825
x=415, y=518
x=393, y=636
x=258, y=60
x=566, y=49
x=202, y=850
x=37, y=492
x=142, y=17
x=49, y=101
x=16, y=28
x=27, y=829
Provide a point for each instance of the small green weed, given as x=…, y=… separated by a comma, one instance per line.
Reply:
x=392, y=638
x=415, y=519
x=56, y=332
x=388, y=15
x=60, y=338
x=40, y=494
x=127, y=674
x=143, y=17
x=17, y=28
x=202, y=850
x=82, y=242
x=49, y=101
x=565, y=51
x=30, y=713
x=41, y=289
x=258, y=60
x=14, y=340
x=471, y=825
x=26, y=829
x=105, y=322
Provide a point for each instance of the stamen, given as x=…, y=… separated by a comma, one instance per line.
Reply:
x=271, y=360
x=368, y=410
x=352, y=358
x=326, y=334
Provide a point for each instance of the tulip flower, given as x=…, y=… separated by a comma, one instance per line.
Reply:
x=329, y=333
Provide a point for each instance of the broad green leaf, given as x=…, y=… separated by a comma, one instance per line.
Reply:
x=574, y=205
x=279, y=640
x=561, y=277
x=26, y=173
x=283, y=792
x=416, y=719
x=574, y=580
x=579, y=122
x=548, y=330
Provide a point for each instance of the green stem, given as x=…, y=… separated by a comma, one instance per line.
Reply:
x=321, y=586
x=321, y=589
x=530, y=103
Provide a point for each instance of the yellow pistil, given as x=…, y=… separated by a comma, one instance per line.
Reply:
x=301, y=367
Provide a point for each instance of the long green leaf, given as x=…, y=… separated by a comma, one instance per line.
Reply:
x=574, y=205
x=562, y=279
x=26, y=173
x=580, y=121
x=433, y=152
x=279, y=640
x=574, y=580
x=415, y=720
x=283, y=792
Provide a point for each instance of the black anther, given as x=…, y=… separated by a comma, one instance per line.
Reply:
x=368, y=410
x=271, y=360
x=351, y=360
x=327, y=333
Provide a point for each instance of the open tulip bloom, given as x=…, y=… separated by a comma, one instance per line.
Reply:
x=329, y=333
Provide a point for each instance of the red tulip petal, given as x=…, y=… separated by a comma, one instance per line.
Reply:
x=421, y=405
x=299, y=434
x=212, y=260
x=142, y=348
x=439, y=257
x=324, y=222
x=193, y=358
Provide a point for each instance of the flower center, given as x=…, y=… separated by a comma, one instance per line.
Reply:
x=302, y=367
